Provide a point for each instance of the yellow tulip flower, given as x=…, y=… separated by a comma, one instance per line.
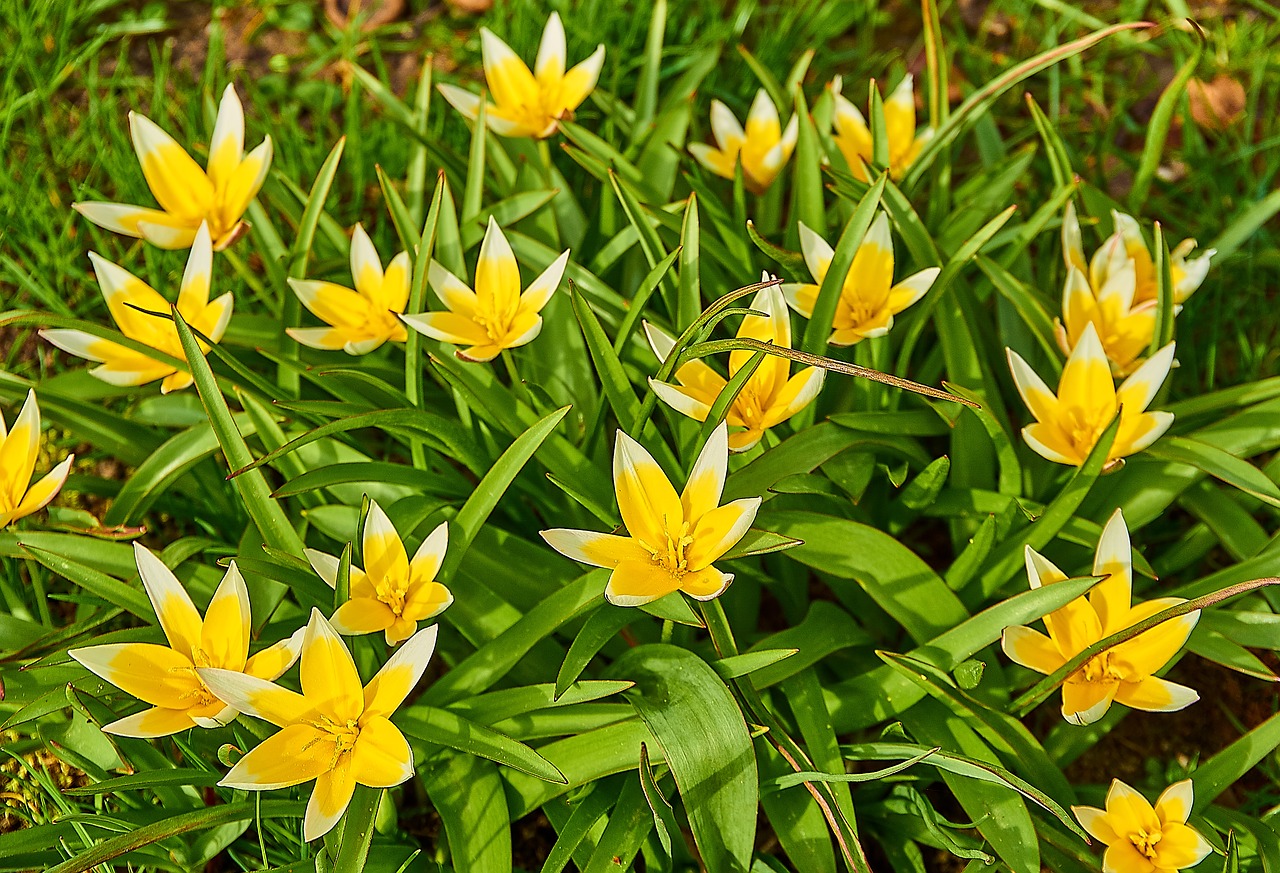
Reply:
x=1141, y=838
x=528, y=104
x=1184, y=275
x=19, y=450
x=868, y=298
x=1068, y=424
x=334, y=732
x=853, y=135
x=672, y=539
x=188, y=195
x=496, y=316
x=1123, y=329
x=165, y=676
x=1123, y=673
x=769, y=397
x=763, y=148
x=123, y=291
x=362, y=319
x=395, y=593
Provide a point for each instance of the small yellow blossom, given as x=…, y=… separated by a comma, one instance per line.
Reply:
x=496, y=316
x=853, y=135
x=359, y=320
x=1068, y=424
x=1123, y=673
x=769, y=397
x=529, y=104
x=19, y=450
x=868, y=298
x=334, y=732
x=1124, y=330
x=672, y=539
x=1145, y=839
x=123, y=291
x=188, y=195
x=1184, y=275
x=763, y=148
x=395, y=593
x=165, y=676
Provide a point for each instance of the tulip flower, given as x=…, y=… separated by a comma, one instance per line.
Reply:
x=19, y=450
x=395, y=593
x=189, y=196
x=1068, y=424
x=123, y=291
x=1141, y=838
x=496, y=316
x=769, y=397
x=166, y=676
x=853, y=135
x=1124, y=330
x=334, y=732
x=672, y=539
x=763, y=148
x=362, y=319
x=1184, y=275
x=868, y=298
x=528, y=104
x=1124, y=673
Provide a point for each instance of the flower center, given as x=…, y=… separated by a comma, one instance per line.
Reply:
x=392, y=591
x=672, y=555
x=1145, y=842
x=343, y=735
x=1099, y=668
x=1082, y=428
x=198, y=695
x=493, y=322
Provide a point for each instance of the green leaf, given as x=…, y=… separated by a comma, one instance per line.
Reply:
x=1158, y=128
x=736, y=666
x=97, y=583
x=467, y=793
x=1220, y=464
x=442, y=727
x=704, y=738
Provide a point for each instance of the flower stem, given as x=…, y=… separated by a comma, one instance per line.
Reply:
x=517, y=384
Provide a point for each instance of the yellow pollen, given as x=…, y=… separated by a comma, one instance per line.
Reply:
x=199, y=695
x=343, y=735
x=1100, y=668
x=1145, y=842
x=672, y=555
x=392, y=592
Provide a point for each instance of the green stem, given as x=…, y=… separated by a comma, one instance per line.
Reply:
x=517, y=384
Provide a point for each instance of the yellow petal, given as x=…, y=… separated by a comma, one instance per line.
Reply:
x=329, y=799
x=154, y=674
x=178, y=615
x=366, y=267
x=257, y=697
x=817, y=257
x=900, y=116
x=596, y=549
x=332, y=304
x=194, y=294
x=1175, y=802
x=329, y=678
x=509, y=80
x=425, y=600
x=1140, y=388
x=381, y=757
x=705, y=584
x=297, y=754
x=1154, y=694
x=243, y=186
x=549, y=67
x=683, y=400
x=384, y=554
x=706, y=480
x=1072, y=241
x=426, y=561
x=39, y=495
x=170, y=232
x=1114, y=559
x=395, y=284
x=120, y=217
x=1180, y=846
x=579, y=82
x=273, y=661
x=1086, y=702
x=1095, y=821
x=448, y=327
x=155, y=722
x=389, y=687
x=1031, y=649
x=226, y=147
x=722, y=163
x=177, y=181
x=728, y=133
x=327, y=338
x=871, y=275
x=452, y=291
x=648, y=503
x=1129, y=811
x=637, y=582
x=1148, y=652
x=362, y=615
x=540, y=291
x=1042, y=402
x=18, y=452
x=719, y=530
x=224, y=637
x=1124, y=857
x=1086, y=389
x=497, y=275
